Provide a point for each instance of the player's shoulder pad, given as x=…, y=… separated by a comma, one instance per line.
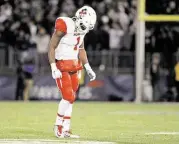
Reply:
x=70, y=25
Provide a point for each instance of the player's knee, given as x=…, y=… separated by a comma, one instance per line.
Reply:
x=71, y=99
x=69, y=96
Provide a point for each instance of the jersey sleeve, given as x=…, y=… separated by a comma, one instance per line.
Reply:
x=60, y=25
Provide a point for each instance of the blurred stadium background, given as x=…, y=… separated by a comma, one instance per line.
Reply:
x=25, y=30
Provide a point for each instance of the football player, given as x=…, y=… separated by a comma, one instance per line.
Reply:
x=66, y=53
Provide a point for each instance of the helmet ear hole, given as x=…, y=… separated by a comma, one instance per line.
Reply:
x=74, y=18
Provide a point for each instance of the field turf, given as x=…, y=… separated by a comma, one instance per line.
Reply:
x=123, y=123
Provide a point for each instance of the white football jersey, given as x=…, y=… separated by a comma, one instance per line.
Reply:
x=68, y=47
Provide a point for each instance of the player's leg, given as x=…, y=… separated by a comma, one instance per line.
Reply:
x=65, y=86
x=75, y=81
x=67, y=118
x=68, y=113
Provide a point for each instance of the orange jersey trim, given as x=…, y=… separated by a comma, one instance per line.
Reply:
x=60, y=25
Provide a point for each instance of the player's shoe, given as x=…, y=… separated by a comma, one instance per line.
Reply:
x=58, y=130
x=68, y=134
x=63, y=134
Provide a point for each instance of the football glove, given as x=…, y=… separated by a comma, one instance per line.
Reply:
x=56, y=73
x=90, y=72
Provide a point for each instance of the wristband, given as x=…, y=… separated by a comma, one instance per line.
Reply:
x=53, y=66
x=87, y=66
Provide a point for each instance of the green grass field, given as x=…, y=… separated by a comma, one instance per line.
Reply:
x=94, y=121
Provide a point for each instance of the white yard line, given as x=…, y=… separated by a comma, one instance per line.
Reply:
x=143, y=113
x=48, y=141
x=162, y=133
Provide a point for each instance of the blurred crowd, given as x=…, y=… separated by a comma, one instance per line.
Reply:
x=162, y=37
x=162, y=7
x=29, y=23
x=162, y=42
x=26, y=25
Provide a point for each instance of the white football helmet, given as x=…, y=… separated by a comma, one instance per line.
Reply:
x=85, y=18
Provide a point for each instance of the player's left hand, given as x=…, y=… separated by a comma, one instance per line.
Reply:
x=91, y=74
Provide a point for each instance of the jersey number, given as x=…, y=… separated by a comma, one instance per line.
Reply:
x=78, y=41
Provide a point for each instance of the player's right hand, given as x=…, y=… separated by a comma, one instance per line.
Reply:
x=56, y=73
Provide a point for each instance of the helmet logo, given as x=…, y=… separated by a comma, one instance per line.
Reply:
x=83, y=12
